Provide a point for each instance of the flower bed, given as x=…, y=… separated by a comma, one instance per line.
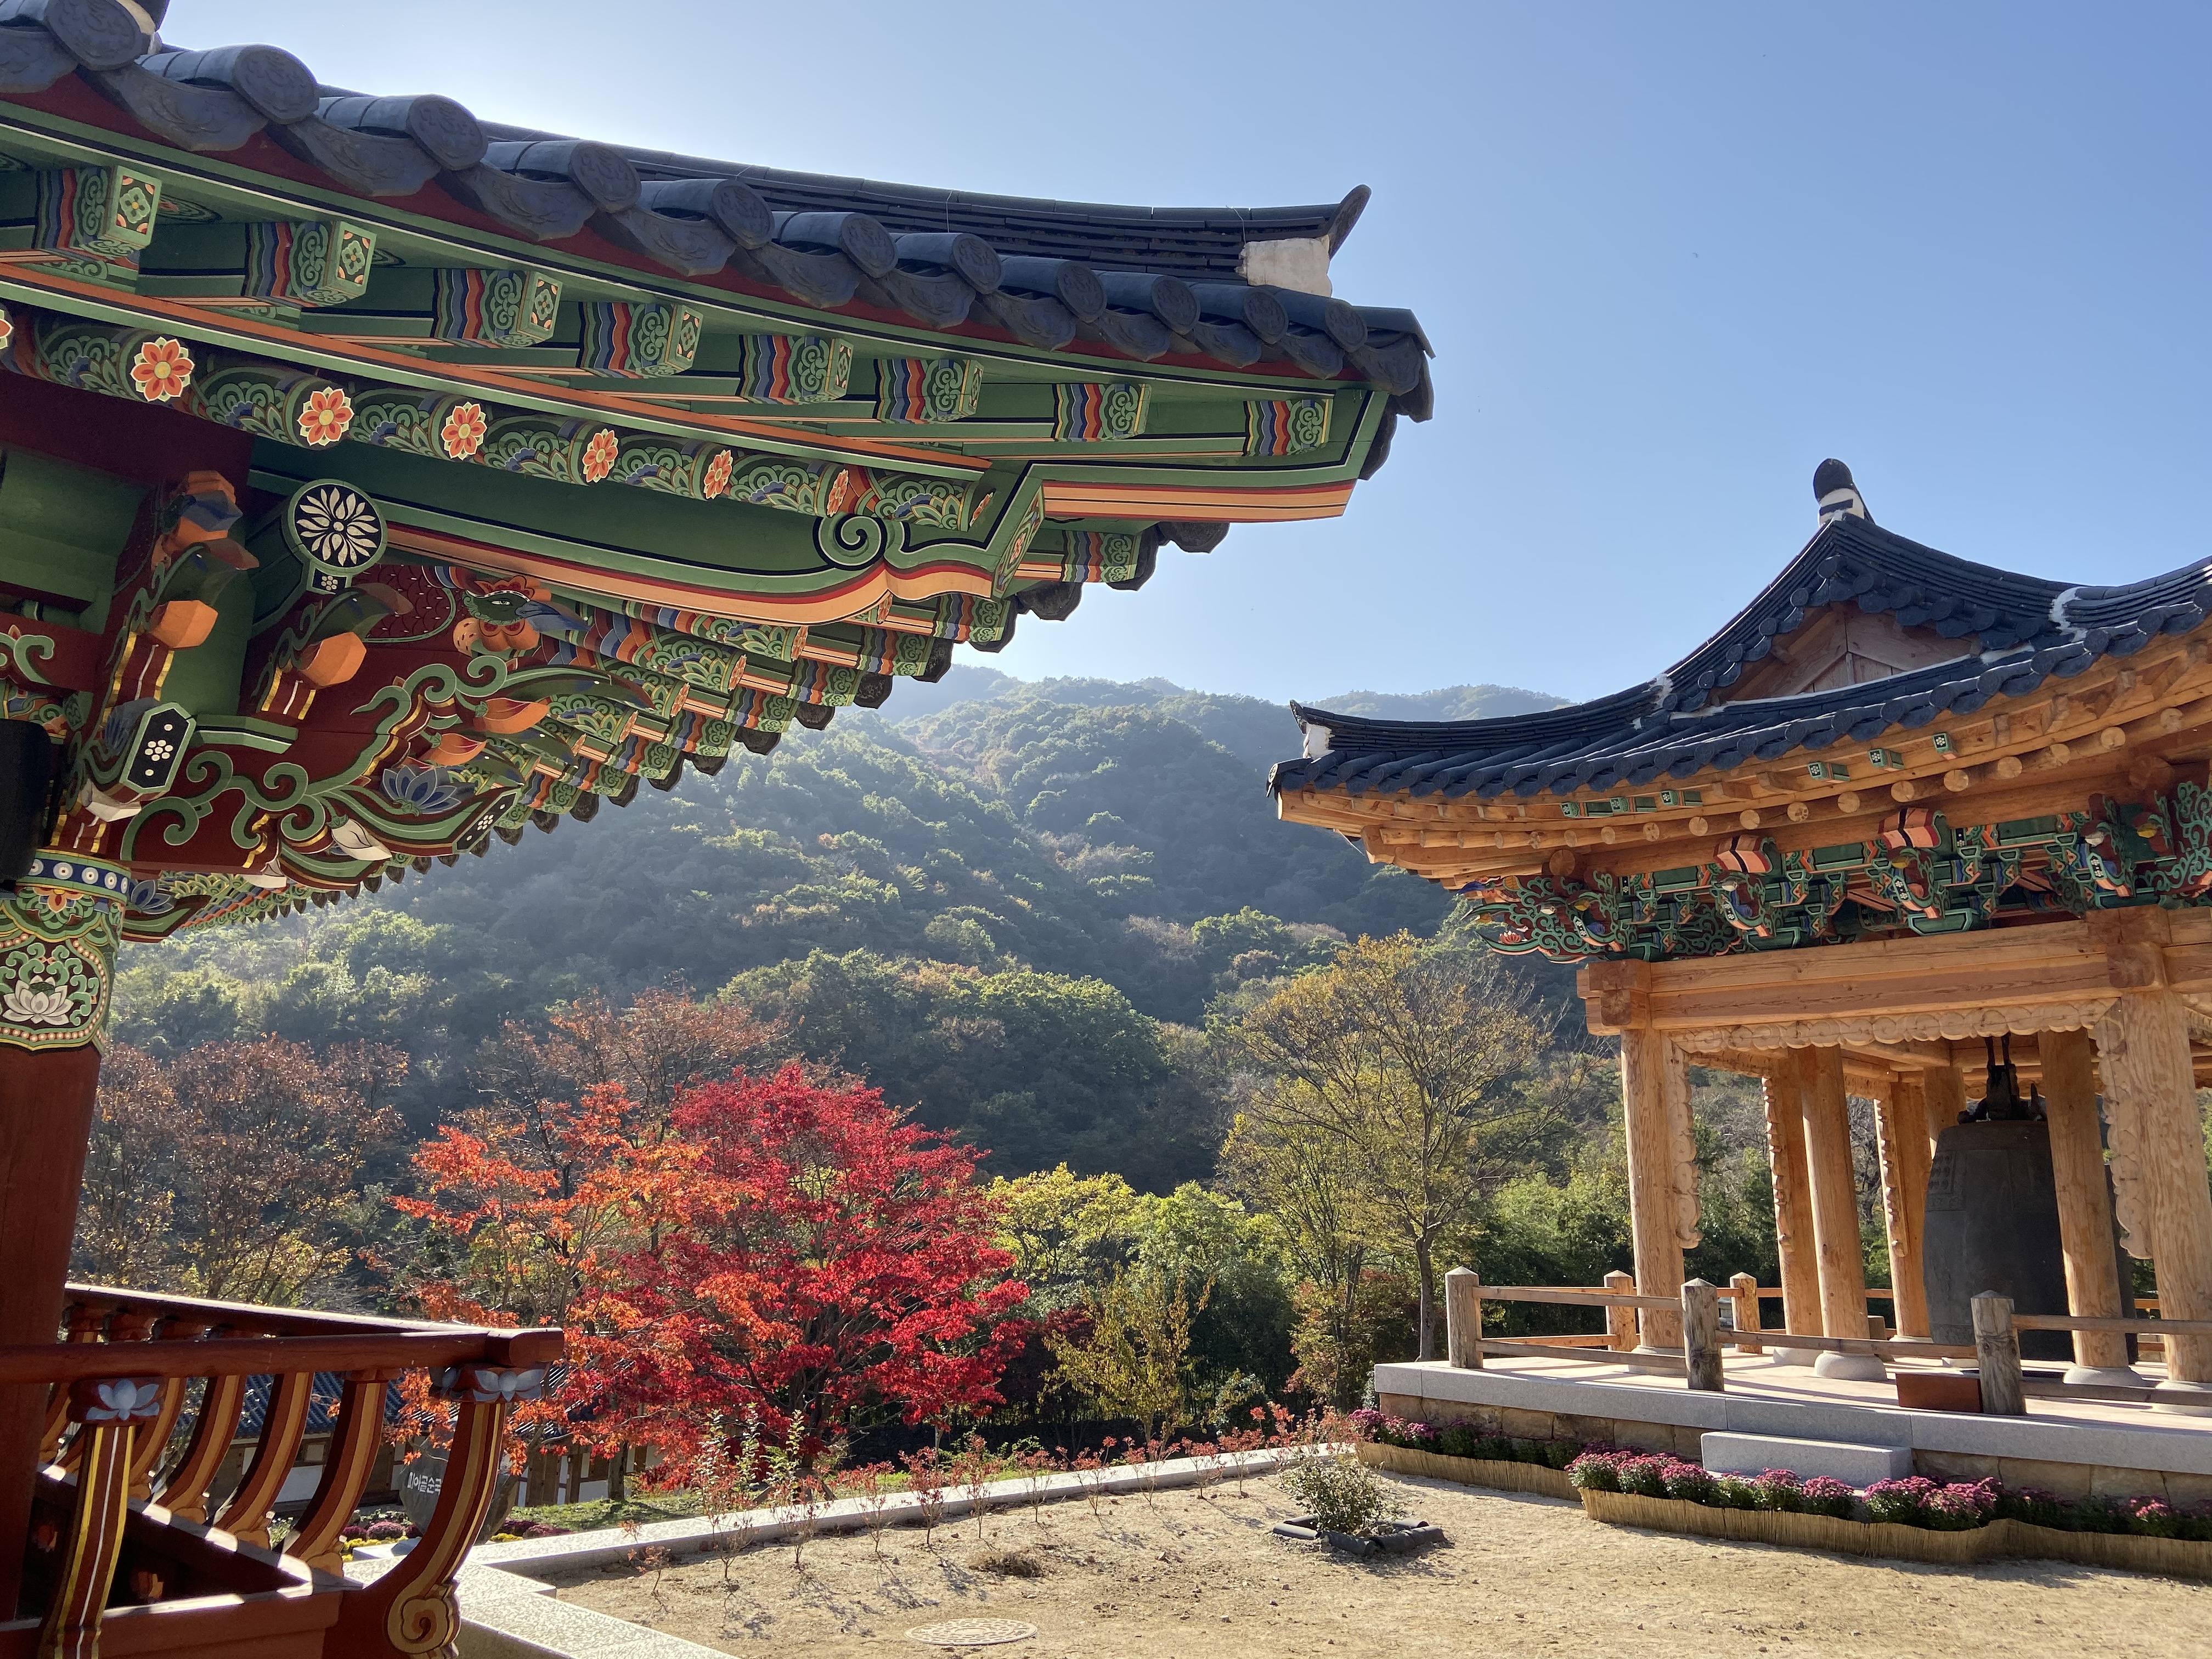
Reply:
x=1915, y=1519
x=1457, y=1453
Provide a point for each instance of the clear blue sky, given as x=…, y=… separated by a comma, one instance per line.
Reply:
x=1670, y=257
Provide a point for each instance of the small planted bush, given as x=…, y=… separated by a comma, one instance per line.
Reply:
x=1645, y=1476
x=1596, y=1470
x=2034, y=1505
x=1733, y=1491
x=1901, y=1503
x=1342, y=1495
x=1821, y=1496
x=1916, y=1501
x=1462, y=1440
x=1780, y=1490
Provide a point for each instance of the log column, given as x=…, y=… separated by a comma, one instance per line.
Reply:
x=1902, y=1111
x=2158, y=1142
x=1835, y=1212
x=2085, y=1208
x=1793, y=1208
x=1654, y=1207
x=59, y=934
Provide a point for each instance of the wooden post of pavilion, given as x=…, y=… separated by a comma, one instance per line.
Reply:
x=1619, y=1003
x=2085, y=1208
x=58, y=948
x=1902, y=1113
x=1654, y=1211
x=2142, y=1044
x=1793, y=1207
x=1838, y=1245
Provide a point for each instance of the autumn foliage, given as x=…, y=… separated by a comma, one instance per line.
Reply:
x=772, y=1247
x=836, y=1263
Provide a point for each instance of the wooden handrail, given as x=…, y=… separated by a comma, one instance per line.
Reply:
x=247, y=1318
x=2134, y=1327
x=258, y=1356
x=1573, y=1299
x=124, y=1394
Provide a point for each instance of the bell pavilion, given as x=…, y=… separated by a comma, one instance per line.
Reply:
x=378, y=484
x=1907, y=828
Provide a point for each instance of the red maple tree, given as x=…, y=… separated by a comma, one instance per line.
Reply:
x=778, y=1247
x=834, y=1265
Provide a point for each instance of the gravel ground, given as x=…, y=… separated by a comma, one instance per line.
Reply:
x=1191, y=1576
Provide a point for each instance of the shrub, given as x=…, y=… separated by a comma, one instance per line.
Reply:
x=387, y=1531
x=1687, y=1481
x=1779, y=1490
x=1902, y=1502
x=1645, y=1476
x=1822, y=1496
x=2093, y=1515
x=1950, y=1512
x=1558, y=1454
x=1342, y=1495
x=1596, y=1470
x=1733, y=1491
x=2034, y=1505
x=2152, y=1518
x=2196, y=1522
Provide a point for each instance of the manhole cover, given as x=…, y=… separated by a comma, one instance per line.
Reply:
x=972, y=1632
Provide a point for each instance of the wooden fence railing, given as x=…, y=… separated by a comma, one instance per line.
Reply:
x=1995, y=1350
x=117, y=1430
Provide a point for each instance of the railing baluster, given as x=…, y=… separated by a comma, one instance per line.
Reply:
x=1997, y=1350
x=1620, y=1322
x=345, y=1471
x=1463, y=1318
x=105, y=1411
x=411, y=1608
x=185, y=1493
x=1743, y=1290
x=147, y=1446
x=1701, y=1337
x=245, y=1516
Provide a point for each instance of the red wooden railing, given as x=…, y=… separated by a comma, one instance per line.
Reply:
x=124, y=1540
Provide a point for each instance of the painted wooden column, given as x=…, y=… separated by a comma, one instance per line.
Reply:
x=1793, y=1207
x=1837, y=1244
x=2158, y=1144
x=1902, y=1114
x=59, y=934
x=2085, y=1206
x=1653, y=1204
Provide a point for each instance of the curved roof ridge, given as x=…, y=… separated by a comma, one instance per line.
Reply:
x=2031, y=629
x=1000, y=220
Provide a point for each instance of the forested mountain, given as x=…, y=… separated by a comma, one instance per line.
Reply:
x=1257, y=732
x=1081, y=859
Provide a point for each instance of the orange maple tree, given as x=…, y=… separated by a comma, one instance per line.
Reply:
x=772, y=1249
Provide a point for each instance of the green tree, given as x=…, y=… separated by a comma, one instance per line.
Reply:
x=1133, y=1360
x=1037, y=1069
x=1400, y=1058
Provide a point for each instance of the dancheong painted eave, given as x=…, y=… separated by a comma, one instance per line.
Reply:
x=1886, y=738
x=378, y=482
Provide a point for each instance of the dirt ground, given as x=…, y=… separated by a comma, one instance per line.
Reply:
x=1187, y=1577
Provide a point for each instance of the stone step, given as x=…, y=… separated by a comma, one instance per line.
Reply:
x=1838, y=1460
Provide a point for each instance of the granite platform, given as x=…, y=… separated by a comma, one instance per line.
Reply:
x=2077, y=1448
